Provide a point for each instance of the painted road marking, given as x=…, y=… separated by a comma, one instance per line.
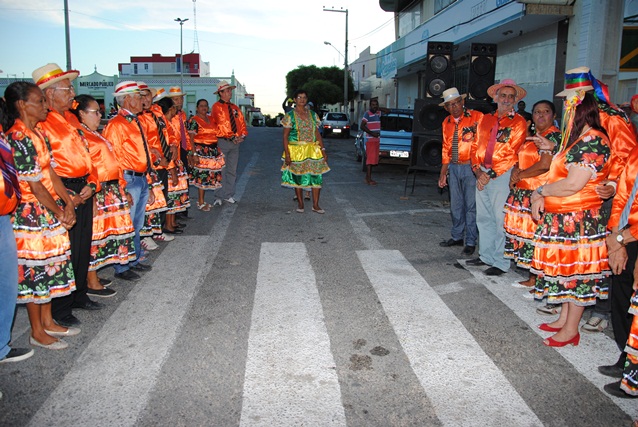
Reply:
x=290, y=376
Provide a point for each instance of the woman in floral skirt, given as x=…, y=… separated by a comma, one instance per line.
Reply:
x=113, y=232
x=570, y=255
x=42, y=218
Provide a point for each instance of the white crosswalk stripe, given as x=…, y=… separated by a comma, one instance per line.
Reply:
x=290, y=372
x=459, y=378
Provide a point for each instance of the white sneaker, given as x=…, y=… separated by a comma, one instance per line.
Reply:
x=230, y=200
x=149, y=244
x=217, y=202
x=163, y=237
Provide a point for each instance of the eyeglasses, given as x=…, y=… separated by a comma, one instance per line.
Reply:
x=96, y=112
x=71, y=88
x=454, y=104
x=301, y=97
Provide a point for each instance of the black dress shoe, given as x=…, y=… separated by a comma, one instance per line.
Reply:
x=493, y=271
x=176, y=231
x=141, y=267
x=476, y=262
x=468, y=250
x=68, y=321
x=613, y=371
x=88, y=305
x=451, y=242
x=614, y=390
x=105, y=282
x=128, y=275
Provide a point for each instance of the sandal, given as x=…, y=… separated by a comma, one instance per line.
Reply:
x=205, y=207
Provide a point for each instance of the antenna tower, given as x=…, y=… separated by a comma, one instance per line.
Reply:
x=196, y=41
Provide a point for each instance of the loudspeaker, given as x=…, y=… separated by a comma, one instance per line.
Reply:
x=482, y=68
x=439, y=74
x=427, y=133
x=428, y=116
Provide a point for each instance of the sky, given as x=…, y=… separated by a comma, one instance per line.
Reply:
x=260, y=40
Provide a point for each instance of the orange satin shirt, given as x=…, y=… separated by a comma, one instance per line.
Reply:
x=621, y=136
x=468, y=124
x=586, y=198
x=128, y=142
x=529, y=156
x=221, y=118
x=70, y=153
x=512, y=131
x=205, y=130
x=625, y=185
x=103, y=155
x=7, y=204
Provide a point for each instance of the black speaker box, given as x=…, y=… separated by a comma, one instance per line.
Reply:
x=428, y=116
x=482, y=69
x=439, y=74
x=427, y=150
x=484, y=107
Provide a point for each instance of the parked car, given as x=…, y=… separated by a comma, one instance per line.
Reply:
x=396, y=138
x=337, y=124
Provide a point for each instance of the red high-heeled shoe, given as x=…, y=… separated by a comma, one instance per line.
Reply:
x=551, y=342
x=545, y=327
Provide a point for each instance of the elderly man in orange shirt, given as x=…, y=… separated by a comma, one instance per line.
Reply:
x=74, y=166
x=459, y=132
x=494, y=153
x=231, y=131
x=126, y=133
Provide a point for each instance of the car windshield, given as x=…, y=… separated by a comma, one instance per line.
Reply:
x=337, y=116
x=396, y=123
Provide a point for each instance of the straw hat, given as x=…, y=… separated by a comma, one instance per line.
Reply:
x=159, y=94
x=175, y=91
x=51, y=73
x=520, y=92
x=577, y=79
x=223, y=85
x=126, y=88
x=451, y=94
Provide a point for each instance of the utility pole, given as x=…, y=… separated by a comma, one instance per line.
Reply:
x=67, y=35
x=346, y=104
x=181, y=53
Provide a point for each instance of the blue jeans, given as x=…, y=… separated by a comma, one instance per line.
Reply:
x=462, y=185
x=8, y=282
x=490, y=219
x=138, y=189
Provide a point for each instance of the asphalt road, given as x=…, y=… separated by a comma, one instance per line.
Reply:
x=260, y=316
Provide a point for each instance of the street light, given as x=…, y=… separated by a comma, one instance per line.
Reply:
x=181, y=55
x=345, y=60
x=330, y=44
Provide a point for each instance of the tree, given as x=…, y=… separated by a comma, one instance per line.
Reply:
x=323, y=84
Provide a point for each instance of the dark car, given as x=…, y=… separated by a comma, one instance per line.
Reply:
x=396, y=137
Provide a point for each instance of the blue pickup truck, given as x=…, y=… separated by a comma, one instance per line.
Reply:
x=396, y=138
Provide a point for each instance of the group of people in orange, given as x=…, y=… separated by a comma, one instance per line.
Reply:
x=74, y=200
x=561, y=203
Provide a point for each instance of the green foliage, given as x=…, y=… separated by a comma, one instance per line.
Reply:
x=323, y=84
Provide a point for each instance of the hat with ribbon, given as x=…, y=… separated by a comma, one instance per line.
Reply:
x=520, y=92
x=51, y=73
x=159, y=94
x=223, y=85
x=126, y=88
x=581, y=79
x=175, y=91
x=634, y=105
x=451, y=94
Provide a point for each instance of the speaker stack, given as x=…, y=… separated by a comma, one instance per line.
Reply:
x=439, y=74
x=482, y=69
x=427, y=135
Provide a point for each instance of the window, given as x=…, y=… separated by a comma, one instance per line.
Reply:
x=134, y=68
x=146, y=67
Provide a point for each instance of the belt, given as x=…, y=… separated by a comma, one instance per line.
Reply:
x=111, y=181
x=129, y=172
x=79, y=180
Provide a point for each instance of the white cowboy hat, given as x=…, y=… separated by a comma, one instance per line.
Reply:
x=126, y=88
x=451, y=94
x=174, y=91
x=223, y=85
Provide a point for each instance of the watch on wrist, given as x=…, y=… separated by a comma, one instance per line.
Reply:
x=620, y=239
x=539, y=190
